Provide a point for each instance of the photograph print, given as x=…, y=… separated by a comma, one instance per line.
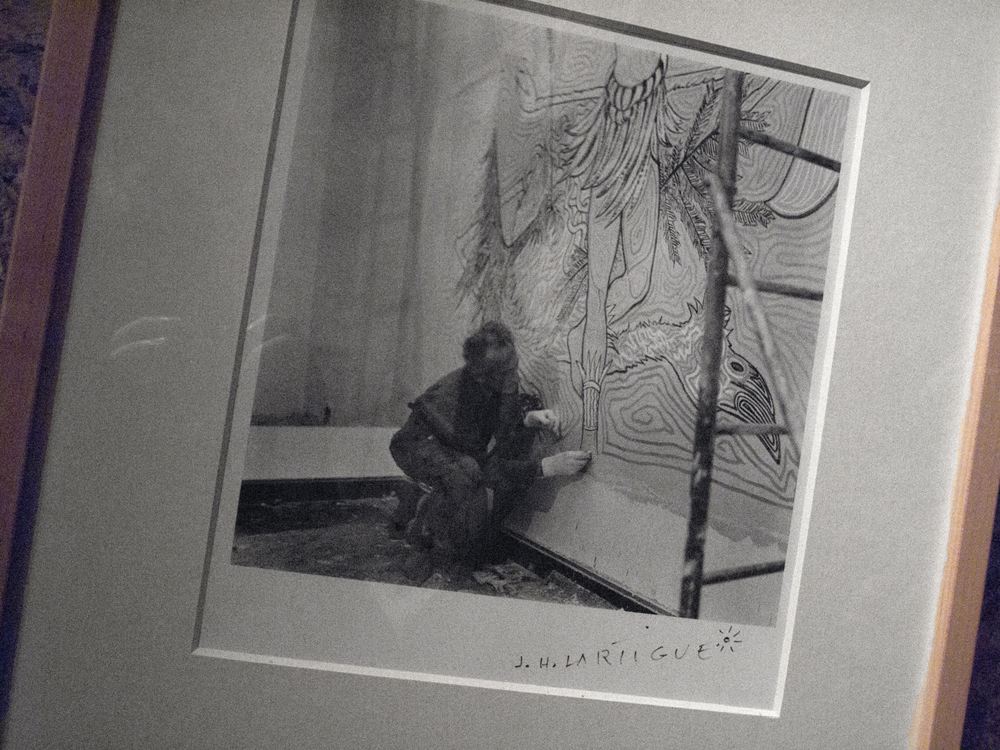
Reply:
x=491, y=313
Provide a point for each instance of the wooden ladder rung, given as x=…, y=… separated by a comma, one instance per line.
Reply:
x=776, y=287
x=745, y=571
x=748, y=428
x=790, y=148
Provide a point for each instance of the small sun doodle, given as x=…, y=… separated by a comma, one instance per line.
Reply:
x=728, y=640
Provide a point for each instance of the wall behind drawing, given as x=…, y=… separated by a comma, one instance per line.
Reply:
x=344, y=321
x=362, y=315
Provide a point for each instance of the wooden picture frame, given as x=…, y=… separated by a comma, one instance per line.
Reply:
x=937, y=718
x=39, y=276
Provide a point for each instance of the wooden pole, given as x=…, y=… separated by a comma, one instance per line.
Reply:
x=711, y=357
x=726, y=226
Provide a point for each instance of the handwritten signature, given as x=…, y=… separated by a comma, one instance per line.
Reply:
x=726, y=642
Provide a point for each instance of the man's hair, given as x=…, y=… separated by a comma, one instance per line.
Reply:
x=492, y=335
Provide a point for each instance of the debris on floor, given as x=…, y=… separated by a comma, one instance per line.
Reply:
x=356, y=539
x=505, y=577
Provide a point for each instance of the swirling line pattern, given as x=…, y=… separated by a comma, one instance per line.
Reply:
x=646, y=411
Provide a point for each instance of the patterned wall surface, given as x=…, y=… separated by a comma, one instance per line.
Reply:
x=22, y=39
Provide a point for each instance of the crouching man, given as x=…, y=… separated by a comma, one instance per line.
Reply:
x=468, y=442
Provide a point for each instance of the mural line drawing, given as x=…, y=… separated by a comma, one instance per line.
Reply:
x=611, y=182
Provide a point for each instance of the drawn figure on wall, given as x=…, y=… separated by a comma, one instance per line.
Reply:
x=614, y=151
x=617, y=151
x=595, y=224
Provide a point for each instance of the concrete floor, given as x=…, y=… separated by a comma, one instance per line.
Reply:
x=355, y=539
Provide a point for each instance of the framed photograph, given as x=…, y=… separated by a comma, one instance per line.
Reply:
x=459, y=164
x=297, y=216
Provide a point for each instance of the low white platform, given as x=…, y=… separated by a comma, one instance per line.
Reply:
x=319, y=453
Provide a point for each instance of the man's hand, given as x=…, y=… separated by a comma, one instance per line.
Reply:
x=565, y=464
x=546, y=419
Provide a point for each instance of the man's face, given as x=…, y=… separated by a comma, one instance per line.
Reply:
x=498, y=371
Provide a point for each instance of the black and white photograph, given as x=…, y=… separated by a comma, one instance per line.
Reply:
x=490, y=335
x=538, y=329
